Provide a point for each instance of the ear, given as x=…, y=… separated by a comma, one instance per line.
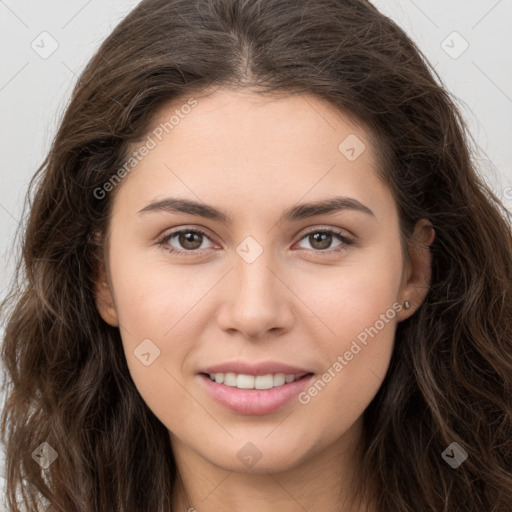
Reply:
x=104, y=297
x=417, y=273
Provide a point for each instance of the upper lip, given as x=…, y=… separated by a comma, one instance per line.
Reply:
x=262, y=368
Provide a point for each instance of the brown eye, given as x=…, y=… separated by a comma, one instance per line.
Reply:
x=189, y=239
x=183, y=241
x=321, y=241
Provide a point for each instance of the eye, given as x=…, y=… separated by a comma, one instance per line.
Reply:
x=321, y=239
x=190, y=240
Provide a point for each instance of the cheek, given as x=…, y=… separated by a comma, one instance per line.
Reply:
x=356, y=360
x=152, y=296
x=154, y=326
x=353, y=297
x=360, y=309
x=158, y=308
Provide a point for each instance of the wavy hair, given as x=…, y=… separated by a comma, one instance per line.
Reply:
x=450, y=376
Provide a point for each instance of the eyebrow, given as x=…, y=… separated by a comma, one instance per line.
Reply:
x=298, y=212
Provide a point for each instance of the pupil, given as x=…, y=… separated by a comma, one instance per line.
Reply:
x=323, y=238
x=188, y=238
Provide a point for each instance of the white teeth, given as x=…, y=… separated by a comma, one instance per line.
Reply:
x=264, y=382
x=279, y=379
x=230, y=379
x=244, y=381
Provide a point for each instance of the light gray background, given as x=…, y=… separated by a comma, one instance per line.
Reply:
x=35, y=90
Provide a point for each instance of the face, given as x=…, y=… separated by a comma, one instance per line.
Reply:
x=251, y=285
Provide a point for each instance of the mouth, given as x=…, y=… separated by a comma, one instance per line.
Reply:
x=254, y=394
x=259, y=382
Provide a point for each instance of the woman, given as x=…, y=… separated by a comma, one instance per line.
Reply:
x=260, y=272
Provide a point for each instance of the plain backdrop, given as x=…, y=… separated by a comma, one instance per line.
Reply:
x=44, y=44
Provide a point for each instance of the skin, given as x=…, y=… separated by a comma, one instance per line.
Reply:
x=299, y=302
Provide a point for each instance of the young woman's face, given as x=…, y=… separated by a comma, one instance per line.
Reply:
x=255, y=239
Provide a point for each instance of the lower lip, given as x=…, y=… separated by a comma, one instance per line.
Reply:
x=254, y=401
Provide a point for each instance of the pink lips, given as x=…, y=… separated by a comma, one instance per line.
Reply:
x=262, y=368
x=254, y=401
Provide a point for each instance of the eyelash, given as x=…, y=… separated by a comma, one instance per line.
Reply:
x=163, y=241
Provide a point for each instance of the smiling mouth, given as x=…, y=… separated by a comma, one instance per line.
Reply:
x=255, y=382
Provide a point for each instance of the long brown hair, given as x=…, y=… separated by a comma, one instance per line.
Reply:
x=450, y=377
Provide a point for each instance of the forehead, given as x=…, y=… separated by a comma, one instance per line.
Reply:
x=243, y=149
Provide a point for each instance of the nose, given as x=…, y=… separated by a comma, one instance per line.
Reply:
x=257, y=302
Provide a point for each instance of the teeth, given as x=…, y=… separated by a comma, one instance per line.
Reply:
x=230, y=379
x=244, y=381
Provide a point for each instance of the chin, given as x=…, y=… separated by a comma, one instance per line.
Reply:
x=257, y=457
